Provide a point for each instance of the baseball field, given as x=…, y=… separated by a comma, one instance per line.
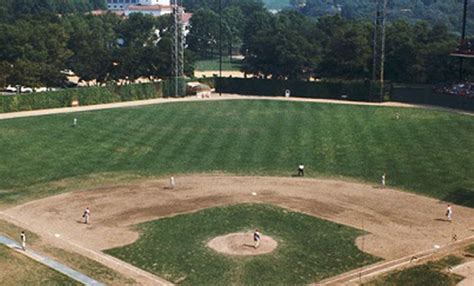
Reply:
x=235, y=163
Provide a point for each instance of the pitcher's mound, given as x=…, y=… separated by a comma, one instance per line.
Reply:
x=242, y=244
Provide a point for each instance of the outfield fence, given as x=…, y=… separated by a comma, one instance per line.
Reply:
x=426, y=94
x=83, y=96
x=345, y=90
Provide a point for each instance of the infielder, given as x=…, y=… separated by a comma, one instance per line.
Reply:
x=301, y=170
x=86, y=215
x=172, y=183
x=449, y=212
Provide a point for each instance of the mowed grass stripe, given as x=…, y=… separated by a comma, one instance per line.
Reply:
x=427, y=152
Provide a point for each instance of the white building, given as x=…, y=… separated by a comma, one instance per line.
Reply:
x=154, y=10
x=123, y=4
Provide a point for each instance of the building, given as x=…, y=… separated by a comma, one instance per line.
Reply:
x=124, y=4
x=154, y=10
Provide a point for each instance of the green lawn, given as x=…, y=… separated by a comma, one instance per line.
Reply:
x=426, y=152
x=276, y=4
x=213, y=64
x=309, y=249
x=17, y=269
x=431, y=273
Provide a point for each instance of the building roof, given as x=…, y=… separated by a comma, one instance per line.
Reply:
x=103, y=12
x=148, y=7
x=185, y=17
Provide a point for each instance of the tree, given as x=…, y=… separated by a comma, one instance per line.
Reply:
x=347, y=53
x=280, y=46
x=36, y=51
x=204, y=33
x=233, y=28
x=93, y=42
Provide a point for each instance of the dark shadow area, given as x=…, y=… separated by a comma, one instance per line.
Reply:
x=248, y=245
x=441, y=219
x=462, y=196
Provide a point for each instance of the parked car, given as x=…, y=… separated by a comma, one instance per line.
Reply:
x=24, y=89
x=10, y=89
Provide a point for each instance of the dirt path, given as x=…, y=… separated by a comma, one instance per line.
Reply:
x=19, y=114
x=399, y=223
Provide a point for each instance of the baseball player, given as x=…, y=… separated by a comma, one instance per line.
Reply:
x=86, y=215
x=449, y=212
x=383, y=179
x=23, y=240
x=301, y=170
x=256, y=238
x=172, y=183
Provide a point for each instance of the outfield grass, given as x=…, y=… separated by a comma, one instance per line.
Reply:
x=17, y=269
x=431, y=273
x=213, y=64
x=427, y=152
x=309, y=248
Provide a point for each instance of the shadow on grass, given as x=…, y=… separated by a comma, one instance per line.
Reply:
x=462, y=196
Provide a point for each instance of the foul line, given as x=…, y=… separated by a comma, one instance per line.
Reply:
x=387, y=266
x=73, y=274
x=101, y=256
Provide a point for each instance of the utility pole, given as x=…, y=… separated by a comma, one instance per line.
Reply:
x=177, y=56
x=382, y=50
x=220, y=41
x=463, y=38
x=378, y=46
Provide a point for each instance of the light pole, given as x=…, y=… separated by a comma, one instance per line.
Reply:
x=378, y=46
x=220, y=41
x=463, y=38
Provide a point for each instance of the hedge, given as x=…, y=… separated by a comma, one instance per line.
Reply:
x=425, y=94
x=85, y=96
x=347, y=90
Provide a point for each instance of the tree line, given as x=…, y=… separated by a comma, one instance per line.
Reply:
x=290, y=45
x=35, y=47
x=34, y=50
x=448, y=12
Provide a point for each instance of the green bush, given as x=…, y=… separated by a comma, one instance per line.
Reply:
x=86, y=96
x=349, y=90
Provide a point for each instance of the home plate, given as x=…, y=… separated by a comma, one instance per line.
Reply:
x=254, y=194
x=436, y=246
x=57, y=235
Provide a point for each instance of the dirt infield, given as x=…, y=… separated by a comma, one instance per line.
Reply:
x=399, y=223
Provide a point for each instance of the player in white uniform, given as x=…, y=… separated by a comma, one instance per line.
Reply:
x=449, y=213
x=301, y=170
x=23, y=240
x=86, y=215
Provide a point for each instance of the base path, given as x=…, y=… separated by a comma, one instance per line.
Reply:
x=51, y=263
